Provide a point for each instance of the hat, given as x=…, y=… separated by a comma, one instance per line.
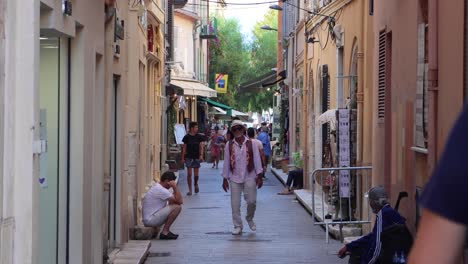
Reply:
x=236, y=123
x=377, y=193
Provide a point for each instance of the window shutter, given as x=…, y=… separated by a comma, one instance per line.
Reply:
x=421, y=90
x=382, y=74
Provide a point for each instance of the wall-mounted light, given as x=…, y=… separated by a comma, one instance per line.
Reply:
x=279, y=8
x=268, y=28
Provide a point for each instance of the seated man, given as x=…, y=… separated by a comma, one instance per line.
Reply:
x=368, y=249
x=161, y=206
x=294, y=181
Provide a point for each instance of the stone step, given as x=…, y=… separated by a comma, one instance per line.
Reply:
x=132, y=252
x=305, y=198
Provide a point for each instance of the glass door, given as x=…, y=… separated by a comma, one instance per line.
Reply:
x=53, y=179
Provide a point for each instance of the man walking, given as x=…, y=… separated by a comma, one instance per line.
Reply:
x=242, y=171
x=161, y=206
x=192, y=155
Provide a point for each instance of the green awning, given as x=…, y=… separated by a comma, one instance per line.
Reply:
x=220, y=105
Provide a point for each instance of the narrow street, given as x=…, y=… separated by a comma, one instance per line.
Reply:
x=285, y=233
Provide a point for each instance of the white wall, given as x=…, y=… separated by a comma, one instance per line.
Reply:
x=183, y=50
x=20, y=185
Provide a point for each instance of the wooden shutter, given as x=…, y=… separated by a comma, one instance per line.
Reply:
x=382, y=81
x=421, y=90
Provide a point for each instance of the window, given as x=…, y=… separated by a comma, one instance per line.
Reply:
x=382, y=63
x=421, y=89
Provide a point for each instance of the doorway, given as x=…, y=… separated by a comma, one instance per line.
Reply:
x=114, y=191
x=54, y=129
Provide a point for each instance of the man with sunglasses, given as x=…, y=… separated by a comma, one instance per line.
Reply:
x=242, y=172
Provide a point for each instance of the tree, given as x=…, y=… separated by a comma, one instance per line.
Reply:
x=242, y=61
x=262, y=58
x=228, y=54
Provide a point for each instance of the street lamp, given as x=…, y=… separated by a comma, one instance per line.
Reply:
x=279, y=8
x=268, y=28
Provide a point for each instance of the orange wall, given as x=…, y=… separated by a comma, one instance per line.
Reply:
x=408, y=168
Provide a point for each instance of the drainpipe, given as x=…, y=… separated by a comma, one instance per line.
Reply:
x=433, y=85
x=360, y=105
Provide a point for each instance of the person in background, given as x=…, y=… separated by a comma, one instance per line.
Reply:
x=215, y=146
x=443, y=227
x=242, y=174
x=161, y=206
x=192, y=154
x=258, y=143
x=265, y=139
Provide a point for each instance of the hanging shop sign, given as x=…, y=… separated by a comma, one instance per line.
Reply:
x=221, y=82
x=344, y=152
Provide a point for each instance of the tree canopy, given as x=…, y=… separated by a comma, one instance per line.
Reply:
x=244, y=61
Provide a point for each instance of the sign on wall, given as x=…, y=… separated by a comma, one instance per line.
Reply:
x=221, y=82
x=344, y=152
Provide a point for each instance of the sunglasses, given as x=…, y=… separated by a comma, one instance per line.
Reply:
x=236, y=128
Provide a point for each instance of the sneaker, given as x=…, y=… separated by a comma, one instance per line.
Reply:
x=252, y=225
x=237, y=231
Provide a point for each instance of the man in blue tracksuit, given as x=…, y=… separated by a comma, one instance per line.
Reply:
x=369, y=246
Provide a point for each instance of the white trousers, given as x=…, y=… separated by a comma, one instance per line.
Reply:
x=249, y=188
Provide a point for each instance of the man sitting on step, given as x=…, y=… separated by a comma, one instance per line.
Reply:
x=377, y=246
x=160, y=206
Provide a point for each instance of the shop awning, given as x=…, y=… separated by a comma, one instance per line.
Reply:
x=223, y=115
x=194, y=88
x=226, y=108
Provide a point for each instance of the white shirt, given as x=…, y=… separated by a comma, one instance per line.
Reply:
x=155, y=199
x=241, y=173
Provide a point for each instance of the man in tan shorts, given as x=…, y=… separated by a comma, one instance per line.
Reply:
x=160, y=206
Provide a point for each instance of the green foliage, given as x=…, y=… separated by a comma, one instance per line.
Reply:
x=172, y=119
x=243, y=62
x=228, y=55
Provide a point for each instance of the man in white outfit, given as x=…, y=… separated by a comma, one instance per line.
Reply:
x=242, y=172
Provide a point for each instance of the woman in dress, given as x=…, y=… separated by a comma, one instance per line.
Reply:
x=216, y=140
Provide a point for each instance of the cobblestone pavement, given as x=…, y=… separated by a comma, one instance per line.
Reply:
x=285, y=233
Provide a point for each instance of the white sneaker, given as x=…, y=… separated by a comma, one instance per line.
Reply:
x=252, y=225
x=237, y=231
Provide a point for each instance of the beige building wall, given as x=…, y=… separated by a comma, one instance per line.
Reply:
x=140, y=74
x=19, y=45
x=356, y=73
x=21, y=206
